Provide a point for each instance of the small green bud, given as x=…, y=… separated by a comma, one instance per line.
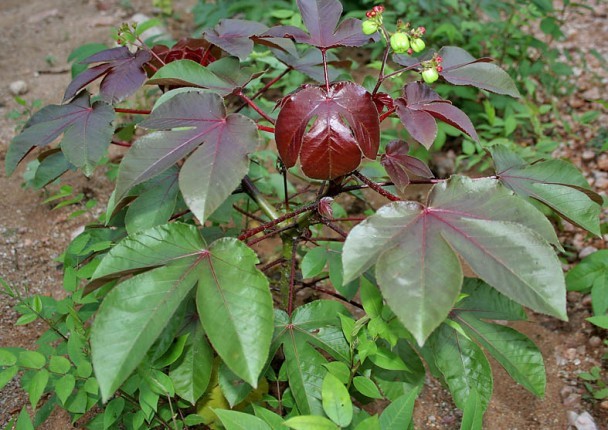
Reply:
x=400, y=42
x=430, y=75
x=369, y=27
x=418, y=45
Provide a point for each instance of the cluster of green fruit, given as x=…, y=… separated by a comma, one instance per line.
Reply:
x=403, y=41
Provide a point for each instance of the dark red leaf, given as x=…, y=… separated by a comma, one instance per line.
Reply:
x=123, y=74
x=397, y=164
x=420, y=106
x=383, y=100
x=197, y=50
x=344, y=127
x=310, y=62
x=321, y=18
x=233, y=36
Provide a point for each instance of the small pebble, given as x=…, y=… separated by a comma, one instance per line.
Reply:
x=586, y=251
x=566, y=391
x=588, y=155
x=595, y=341
x=570, y=354
x=572, y=400
x=18, y=88
x=604, y=404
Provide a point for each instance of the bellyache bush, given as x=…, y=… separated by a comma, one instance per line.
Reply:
x=177, y=317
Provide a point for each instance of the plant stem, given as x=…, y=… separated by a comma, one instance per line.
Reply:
x=384, y=60
x=271, y=83
x=247, y=214
x=266, y=128
x=272, y=233
x=386, y=114
x=325, y=72
x=120, y=143
x=331, y=293
x=133, y=111
x=334, y=227
x=377, y=188
x=255, y=107
x=272, y=264
x=257, y=197
x=292, y=275
x=252, y=232
x=388, y=183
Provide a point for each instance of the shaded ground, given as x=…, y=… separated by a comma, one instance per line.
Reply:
x=37, y=36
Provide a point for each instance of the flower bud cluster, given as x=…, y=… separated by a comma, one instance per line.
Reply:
x=432, y=68
x=374, y=20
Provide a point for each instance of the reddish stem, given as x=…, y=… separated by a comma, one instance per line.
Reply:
x=386, y=114
x=377, y=188
x=247, y=214
x=325, y=71
x=334, y=227
x=266, y=128
x=121, y=143
x=253, y=231
x=292, y=277
x=381, y=73
x=333, y=294
x=255, y=107
x=179, y=215
x=270, y=234
x=350, y=218
x=272, y=264
x=133, y=111
x=271, y=83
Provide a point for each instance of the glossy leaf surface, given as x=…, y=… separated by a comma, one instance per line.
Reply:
x=234, y=420
x=399, y=414
x=344, y=128
x=336, y=401
x=87, y=130
x=555, y=183
x=122, y=70
x=235, y=307
x=186, y=121
x=415, y=249
x=420, y=106
x=321, y=18
x=398, y=164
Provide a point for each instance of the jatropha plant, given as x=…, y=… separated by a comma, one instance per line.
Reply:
x=233, y=287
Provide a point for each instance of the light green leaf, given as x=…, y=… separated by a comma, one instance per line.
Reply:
x=192, y=372
x=556, y=183
x=600, y=321
x=152, y=248
x=336, y=401
x=369, y=423
x=310, y=422
x=7, y=358
x=59, y=364
x=399, y=414
x=387, y=360
x=414, y=247
x=313, y=262
x=371, y=299
x=31, y=359
x=235, y=307
x=64, y=387
x=273, y=420
x=36, y=385
x=234, y=389
x=339, y=370
x=24, y=422
x=7, y=374
x=367, y=387
x=462, y=364
x=112, y=411
x=234, y=420
x=132, y=316
x=472, y=414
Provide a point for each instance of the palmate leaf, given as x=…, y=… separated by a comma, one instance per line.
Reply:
x=136, y=311
x=87, y=130
x=463, y=366
x=398, y=163
x=222, y=76
x=122, y=70
x=415, y=248
x=310, y=62
x=420, y=106
x=213, y=170
x=321, y=18
x=314, y=324
x=234, y=36
x=555, y=183
x=519, y=356
x=345, y=127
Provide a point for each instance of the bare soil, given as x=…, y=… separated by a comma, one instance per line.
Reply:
x=38, y=35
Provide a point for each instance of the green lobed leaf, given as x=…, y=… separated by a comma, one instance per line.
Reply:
x=462, y=364
x=235, y=307
x=132, y=316
x=336, y=401
x=503, y=239
x=234, y=420
x=555, y=183
x=192, y=372
x=398, y=415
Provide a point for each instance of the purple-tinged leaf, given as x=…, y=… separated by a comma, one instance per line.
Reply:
x=189, y=73
x=234, y=36
x=184, y=122
x=415, y=248
x=460, y=68
x=310, y=63
x=321, y=18
x=344, y=128
x=420, y=106
x=397, y=164
x=123, y=74
x=87, y=131
x=555, y=183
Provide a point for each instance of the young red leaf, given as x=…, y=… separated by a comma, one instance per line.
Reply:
x=87, y=130
x=321, y=18
x=420, y=106
x=344, y=127
x=397, y=164
x=185, y=121
x=123, y=74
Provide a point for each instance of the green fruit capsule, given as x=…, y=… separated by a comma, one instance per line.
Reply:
x=400, y=42
x=430, y=75
x=418, y=45
x=369, y=27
